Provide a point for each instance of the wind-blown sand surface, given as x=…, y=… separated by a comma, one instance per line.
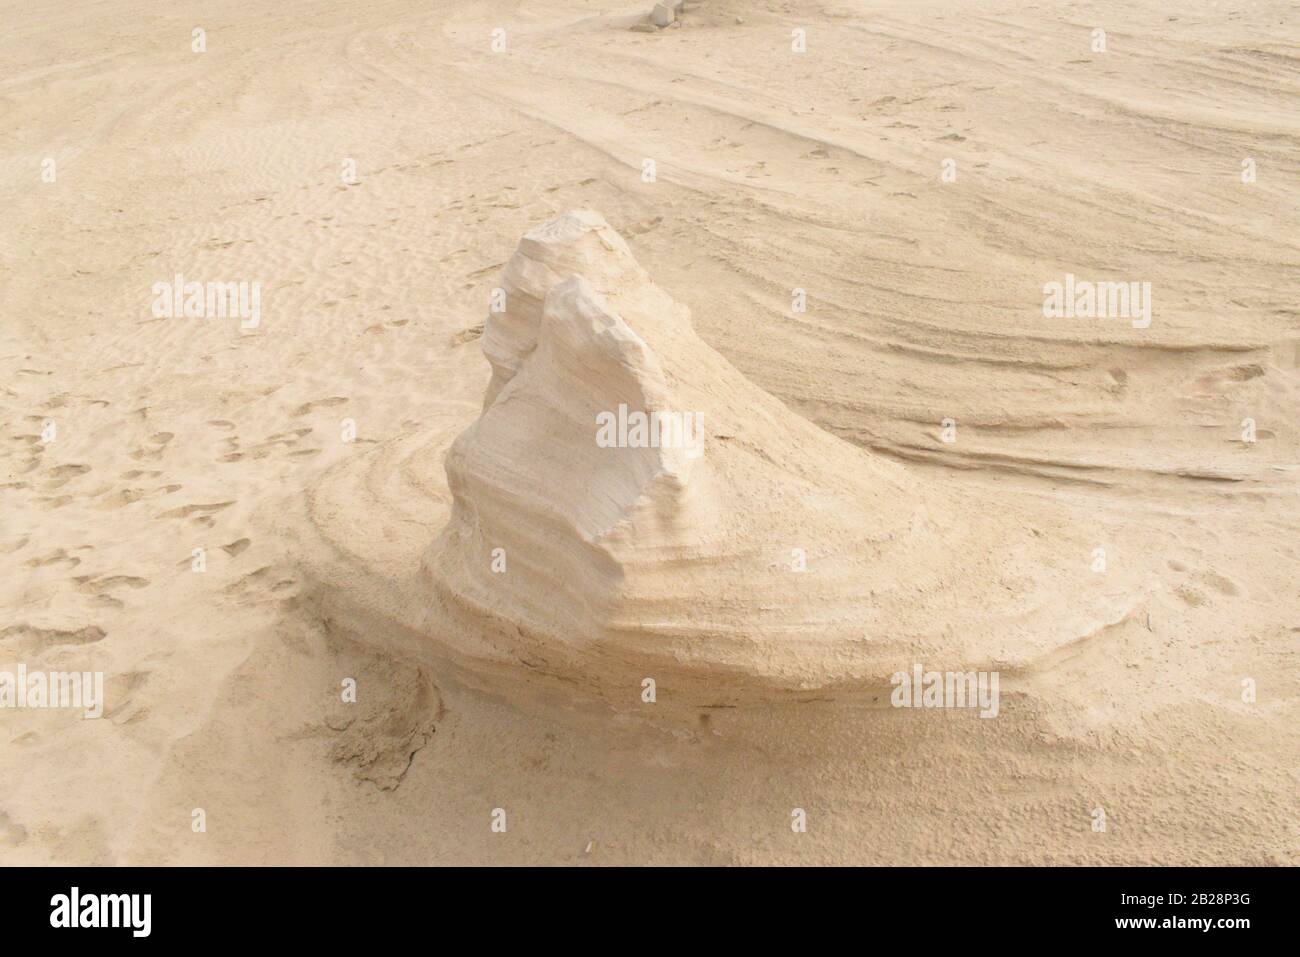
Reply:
x=1124, y=688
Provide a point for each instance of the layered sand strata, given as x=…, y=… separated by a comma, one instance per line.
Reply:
x=762, y=555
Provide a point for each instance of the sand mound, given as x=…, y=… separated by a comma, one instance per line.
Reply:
x=630, y=505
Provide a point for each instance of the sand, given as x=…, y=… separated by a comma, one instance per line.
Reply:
x=468, y=244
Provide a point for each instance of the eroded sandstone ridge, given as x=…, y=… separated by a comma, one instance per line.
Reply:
x=765, y=555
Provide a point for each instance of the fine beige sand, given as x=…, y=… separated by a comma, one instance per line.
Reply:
x=477, y=226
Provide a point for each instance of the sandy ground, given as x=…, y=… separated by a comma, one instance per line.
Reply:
x=774, y=171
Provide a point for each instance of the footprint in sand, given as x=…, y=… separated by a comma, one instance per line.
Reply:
x=120, y=498
x=61, y=475
x=472, y=334
x=309, y=407
x=159, y=442
x=264, y=584
x=120, y=692
x=190, y=511
x=1224, y=586
x=236, y=547
x=26, y=639
x=54, y=558
x=92, y=583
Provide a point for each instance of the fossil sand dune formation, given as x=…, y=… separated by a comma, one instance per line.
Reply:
x=371, y=559
x=681, y=561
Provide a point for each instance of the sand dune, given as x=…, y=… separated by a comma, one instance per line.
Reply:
x=837, y=258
